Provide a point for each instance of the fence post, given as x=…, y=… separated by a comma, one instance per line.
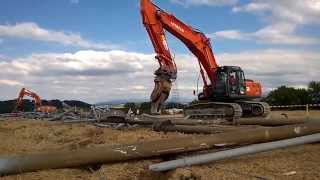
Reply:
x=307, y=110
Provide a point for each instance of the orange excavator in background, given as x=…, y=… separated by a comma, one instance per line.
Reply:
x=226, y=91
x=38, y=107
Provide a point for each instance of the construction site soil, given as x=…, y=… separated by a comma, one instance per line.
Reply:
x=23, y=135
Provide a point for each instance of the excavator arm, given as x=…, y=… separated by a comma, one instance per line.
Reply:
x=156, y=33
x=156, y=21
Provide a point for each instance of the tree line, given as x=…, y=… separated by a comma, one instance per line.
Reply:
x=284, y=95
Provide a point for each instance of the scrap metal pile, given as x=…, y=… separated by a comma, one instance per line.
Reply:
x=27, y=115
x=226, y=138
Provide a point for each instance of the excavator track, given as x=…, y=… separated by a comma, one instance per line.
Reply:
x=254, y=108
x=214, y=110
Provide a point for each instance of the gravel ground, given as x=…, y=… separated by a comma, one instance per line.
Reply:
x=300, y=162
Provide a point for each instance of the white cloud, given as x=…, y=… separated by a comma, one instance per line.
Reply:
x=2, y=57
x=252, y=7
x=138, y=87
x=276, y=67
x=297, y=12
x=96, y=76
x=88, y=75
x=31, y=30
x=282, y=34
x=81, y=63
x=7, y=82
x=229, y=34
x=272, y=34
x=283, y=18
x=74, y=1
x=187, y=3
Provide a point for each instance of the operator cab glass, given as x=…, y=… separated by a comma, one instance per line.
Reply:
x=242, y=83
x=230, y=82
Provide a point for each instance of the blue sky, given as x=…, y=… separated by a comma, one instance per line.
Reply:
x=252, y=33
x=119, y=22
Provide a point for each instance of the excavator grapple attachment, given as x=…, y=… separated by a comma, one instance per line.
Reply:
x=160, y=94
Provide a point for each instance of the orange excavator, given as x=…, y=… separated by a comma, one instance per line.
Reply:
x=226, y=91
x=38, y=107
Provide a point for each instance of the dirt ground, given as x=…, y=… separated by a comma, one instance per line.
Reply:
x=300, y=162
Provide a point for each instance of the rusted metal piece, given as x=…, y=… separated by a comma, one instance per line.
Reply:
x=59, y=116
x=13, y=164
x=168, y=126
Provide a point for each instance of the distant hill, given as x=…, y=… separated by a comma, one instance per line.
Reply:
x=76, y=103
x=7, y=106
x=120, y=101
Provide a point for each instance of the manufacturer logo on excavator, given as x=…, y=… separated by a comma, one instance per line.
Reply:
x=164, y=42
x=177, y=26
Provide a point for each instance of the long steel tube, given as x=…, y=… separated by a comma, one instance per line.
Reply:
x=272, y=121
x=12, y=164
x=145, y=121
x=251, y=149
x=165, y=127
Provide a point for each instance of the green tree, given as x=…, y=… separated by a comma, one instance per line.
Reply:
x=132, y=106
x=195, y=101
x=314, y=91
x=288, y=96
x=171, y=105
x=145, y=107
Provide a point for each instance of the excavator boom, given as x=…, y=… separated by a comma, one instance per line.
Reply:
x=156, y=20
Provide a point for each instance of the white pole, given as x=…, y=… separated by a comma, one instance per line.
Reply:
x=205, y=158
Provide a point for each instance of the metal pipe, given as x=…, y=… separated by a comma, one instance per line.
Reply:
x=118, y=119
x=174, y=120
x=150, y=120
x=276, y=121
x=271, y=122
x=167, y=126
x=13, y=164
x=256, y=148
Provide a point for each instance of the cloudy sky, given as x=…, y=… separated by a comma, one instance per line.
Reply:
x=97, y=50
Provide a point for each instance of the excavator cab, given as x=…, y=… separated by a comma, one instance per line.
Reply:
x=230, y=83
